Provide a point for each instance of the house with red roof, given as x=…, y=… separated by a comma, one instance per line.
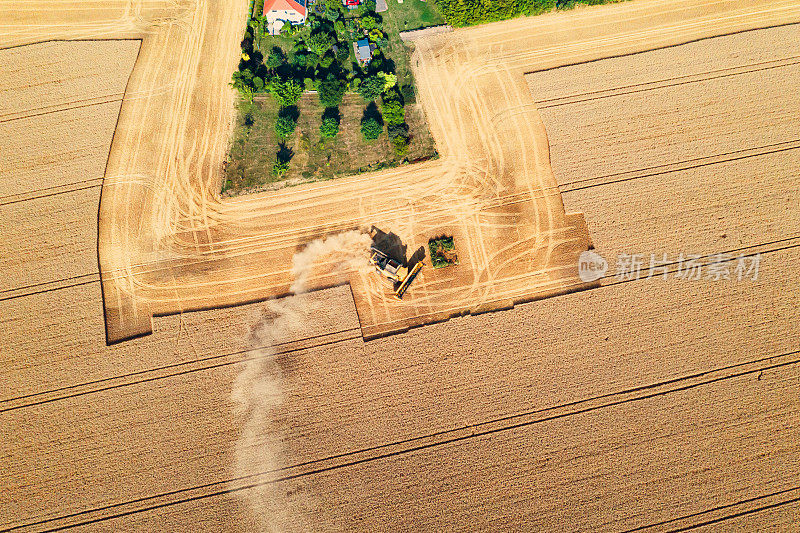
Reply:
x=281, y=12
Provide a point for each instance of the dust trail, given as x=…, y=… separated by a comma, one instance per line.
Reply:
x=258, y=392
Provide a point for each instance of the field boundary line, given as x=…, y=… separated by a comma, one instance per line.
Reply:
x=420, y=443
x=51, y=289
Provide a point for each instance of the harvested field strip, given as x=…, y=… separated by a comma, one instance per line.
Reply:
x=417, y=444
x=668, y=82
x=186, y=367
x=736, y=155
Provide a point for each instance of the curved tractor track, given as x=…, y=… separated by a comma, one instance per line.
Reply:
x=168, y=243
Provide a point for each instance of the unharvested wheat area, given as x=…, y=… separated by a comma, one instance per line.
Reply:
x=651, y=404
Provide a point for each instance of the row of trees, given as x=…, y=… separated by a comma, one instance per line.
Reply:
x=470, y=12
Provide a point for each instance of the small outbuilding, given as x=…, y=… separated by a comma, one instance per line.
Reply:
x=363, y=51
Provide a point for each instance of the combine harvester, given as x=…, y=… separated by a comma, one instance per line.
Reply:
x=397, y=273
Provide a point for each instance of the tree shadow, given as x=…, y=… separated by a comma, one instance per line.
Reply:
x=372, y=112
x=289, y=112
x=332, y=112
x=285, y=154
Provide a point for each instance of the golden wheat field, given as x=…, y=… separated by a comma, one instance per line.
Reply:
x=628, y=404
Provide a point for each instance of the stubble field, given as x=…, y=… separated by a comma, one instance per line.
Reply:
x=652, y=404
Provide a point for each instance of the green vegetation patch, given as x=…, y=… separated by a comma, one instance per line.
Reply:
x=471, y=12
x=312, y=110
x=443, y=251
x=313, y=155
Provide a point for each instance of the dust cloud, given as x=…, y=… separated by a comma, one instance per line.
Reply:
x=258, y=392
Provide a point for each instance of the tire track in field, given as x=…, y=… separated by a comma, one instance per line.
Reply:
x=64, y=106
x=679, y=166
x=52, y=191
x=718, y=514
x=173, y=370
x=667, y=82
x=412, y=445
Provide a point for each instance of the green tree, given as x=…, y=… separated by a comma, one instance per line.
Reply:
x=280, y=168
x=242, y=81
x=285, y=126
x=371, y=129
x=338, y=27
x=276, y=57
x=326, y=61
x=319, y=43
x=287, y=93
x=371, y=88
x=342, y=53
x=258, y=84
x=329, y=127
x=389, y=80
x=331, y=91
x=394, y=112
x=368, y=22
x=400, y=145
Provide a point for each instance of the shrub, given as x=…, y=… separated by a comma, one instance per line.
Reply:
x=400, y=145
x=329, y=127
x=394, y=112
x=443, y=251
x=338, y=27
x=276, y=57
x=319, y=43
x=326, y=61
x=371, y=128
x=371, y=88
x=285, y=126
x=397, y=130
x=467, y=12
x=368, y=22
x=280, y=168
x=343, y=53
x=287, y=93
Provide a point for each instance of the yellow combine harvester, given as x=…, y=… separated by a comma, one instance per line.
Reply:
x=399, y=274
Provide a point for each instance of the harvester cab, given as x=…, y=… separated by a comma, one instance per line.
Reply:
x=396, y=272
